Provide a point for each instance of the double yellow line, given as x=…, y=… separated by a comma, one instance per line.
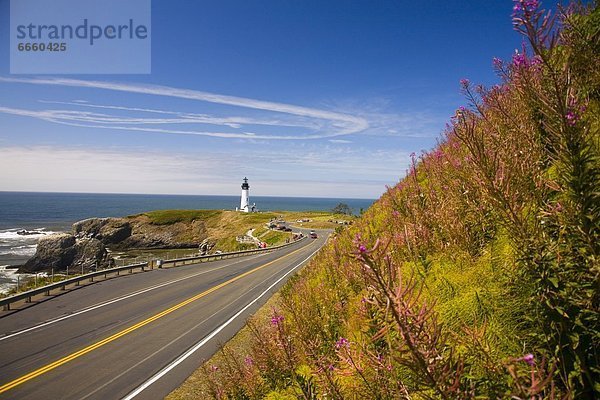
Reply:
x=92, y=347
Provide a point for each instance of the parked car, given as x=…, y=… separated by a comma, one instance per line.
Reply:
x=312, y=234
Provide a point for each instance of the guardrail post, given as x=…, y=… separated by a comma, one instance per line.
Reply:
x=6, y=307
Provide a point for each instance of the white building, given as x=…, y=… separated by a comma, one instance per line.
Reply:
x=245, y=200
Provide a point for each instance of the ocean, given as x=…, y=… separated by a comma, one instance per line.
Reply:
x=44, y=213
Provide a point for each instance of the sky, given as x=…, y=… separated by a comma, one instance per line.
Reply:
x=307, y=98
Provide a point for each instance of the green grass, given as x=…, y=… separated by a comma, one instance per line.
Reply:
x=167, y=217
x=273, y=238
x=256, y=218
x=230, y=244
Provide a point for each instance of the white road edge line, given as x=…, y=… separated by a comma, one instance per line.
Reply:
x=171, y=342
x=201, y=343
x=115, y=300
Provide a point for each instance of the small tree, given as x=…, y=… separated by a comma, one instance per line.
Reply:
x=342, y=208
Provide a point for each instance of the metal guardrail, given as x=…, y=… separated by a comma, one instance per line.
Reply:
x=177, y=262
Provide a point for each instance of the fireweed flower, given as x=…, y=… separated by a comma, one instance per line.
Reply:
x=341, y=343
x=529, y=359
x=574, y=111
x=248, y=360
x=276, y=320
x=362, y=249
x=519, y=59
x=572, y=118
x=525, y=7
x=497, y=62
x=464, y=82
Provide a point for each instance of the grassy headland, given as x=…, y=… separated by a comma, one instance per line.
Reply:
x=477, y=276
x=222, y=227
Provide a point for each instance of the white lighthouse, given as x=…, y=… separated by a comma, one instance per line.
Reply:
x=245, y=201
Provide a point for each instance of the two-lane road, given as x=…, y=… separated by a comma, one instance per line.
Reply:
x=137, y=336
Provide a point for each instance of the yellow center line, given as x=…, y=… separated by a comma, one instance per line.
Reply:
x=77, y=354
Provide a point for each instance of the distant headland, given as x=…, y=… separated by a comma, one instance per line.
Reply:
x=92, y=242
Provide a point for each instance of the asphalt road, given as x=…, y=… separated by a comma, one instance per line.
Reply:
x=140, y=335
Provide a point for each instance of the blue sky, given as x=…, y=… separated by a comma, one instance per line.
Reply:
x=306, y=98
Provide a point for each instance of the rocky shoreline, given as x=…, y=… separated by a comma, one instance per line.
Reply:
x=87, y=245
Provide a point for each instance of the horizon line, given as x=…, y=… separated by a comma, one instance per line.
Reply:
x=188, y=194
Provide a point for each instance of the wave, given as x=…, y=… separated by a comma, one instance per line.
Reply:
x=25, y=250
x=15, y=246
x=13, y=234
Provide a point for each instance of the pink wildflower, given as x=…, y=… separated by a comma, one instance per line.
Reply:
x=276, y=320
x=341, y=343
x=519, y=60
x=529, y=359
x=525, y=6
x=571, y=118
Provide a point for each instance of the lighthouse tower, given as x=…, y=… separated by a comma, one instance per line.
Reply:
x=245, y=202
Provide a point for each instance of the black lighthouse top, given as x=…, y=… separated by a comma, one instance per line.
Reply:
x=245, y=185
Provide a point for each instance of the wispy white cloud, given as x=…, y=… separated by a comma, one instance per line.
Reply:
x=385, y=119
x=324, y=123
x=343, y=141
x=234, y=122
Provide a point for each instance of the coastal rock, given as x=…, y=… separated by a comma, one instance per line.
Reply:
x=114, y=231
x=63, y=250
x=89, y=227
x=24, y=232
x=53, y=251
x=205, y=247
x=110, y=231
x=90, y=253
x=138, y=232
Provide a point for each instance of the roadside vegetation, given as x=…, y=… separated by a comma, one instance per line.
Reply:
x=476, y=276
